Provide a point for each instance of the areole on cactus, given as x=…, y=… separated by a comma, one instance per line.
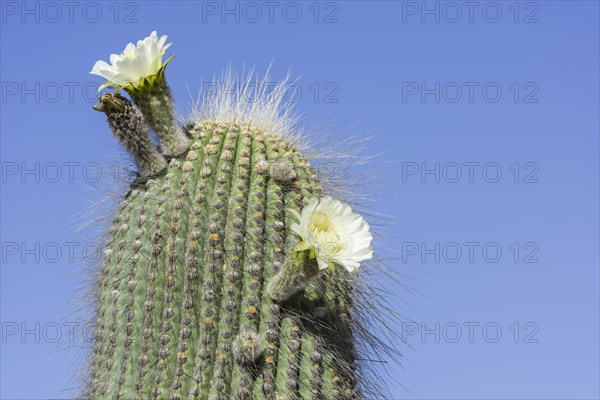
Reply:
x=223, y=276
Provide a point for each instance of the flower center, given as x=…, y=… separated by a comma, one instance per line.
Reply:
x=320, y=222
x=325, y=234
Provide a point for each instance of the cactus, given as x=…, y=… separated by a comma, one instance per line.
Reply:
x=200, y=295
x=184, y=278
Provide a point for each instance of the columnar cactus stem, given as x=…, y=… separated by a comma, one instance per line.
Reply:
x=185, y=277
x=156, y=102
x=129, y=127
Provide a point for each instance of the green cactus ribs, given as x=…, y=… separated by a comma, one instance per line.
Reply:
x=182, y=305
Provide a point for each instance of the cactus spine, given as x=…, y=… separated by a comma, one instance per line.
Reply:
x=182, y=308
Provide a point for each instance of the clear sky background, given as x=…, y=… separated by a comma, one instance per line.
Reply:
x=509, y=88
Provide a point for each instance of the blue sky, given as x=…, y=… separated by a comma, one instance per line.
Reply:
x=485, y=115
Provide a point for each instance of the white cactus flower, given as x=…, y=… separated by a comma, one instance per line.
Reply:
x=335, y=233
x=135, y=64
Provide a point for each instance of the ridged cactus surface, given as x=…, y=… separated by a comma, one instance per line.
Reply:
x=182, y=307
